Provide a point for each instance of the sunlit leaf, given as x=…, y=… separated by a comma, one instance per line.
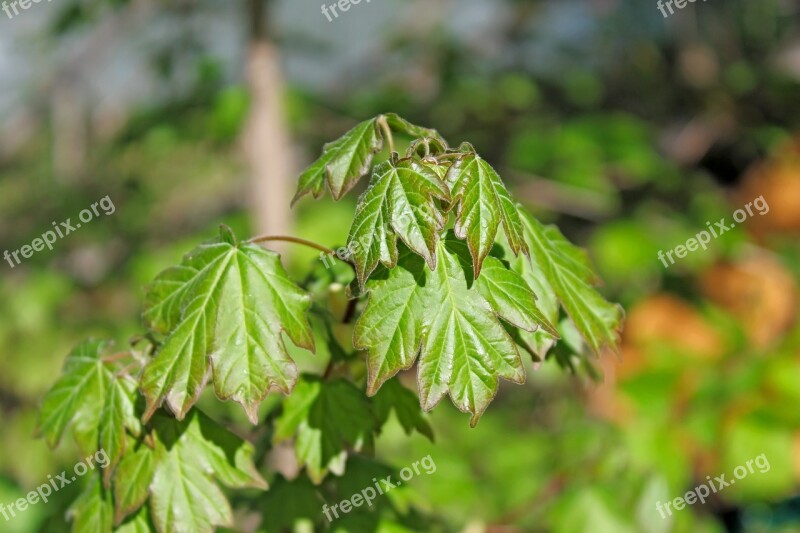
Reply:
x=224, y=320
x=444, y=316
x=400, y=201
x=343, y=162
x=482, y=205
x=93, y=398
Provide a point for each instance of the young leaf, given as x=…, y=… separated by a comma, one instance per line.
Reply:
x=225, y=319
x=400, y=201
x=564, y=271
x=399, y=124
x=445, y=317
x=178, y=474
x=95, y=400
x=483, y=203
x=343, y=162
x=328, y=417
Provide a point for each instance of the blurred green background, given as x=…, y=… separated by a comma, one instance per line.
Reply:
x=628, y=130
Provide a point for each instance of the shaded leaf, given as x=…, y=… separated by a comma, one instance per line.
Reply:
x=180, y=474
x=393, y=396
x=328, y=417
x=287, y=502
x=93, y=510
x=563, y=270
x=132, y=481
x=138, y=523
x=399, y=124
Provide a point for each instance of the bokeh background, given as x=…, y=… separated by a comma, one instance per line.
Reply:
x=628, y=130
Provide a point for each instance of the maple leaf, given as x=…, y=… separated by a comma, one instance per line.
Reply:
x=561, y=273
x=342, y=163
x=482, y=205
x=400, y=201
x=93, y=510
x=393, y=396
x=347, y=159
x=178, y=474
x=451, y=321
x=223, y=311
x=95, y=400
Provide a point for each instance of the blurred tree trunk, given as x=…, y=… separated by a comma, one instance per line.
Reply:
x=267, y=141
x=69, y=130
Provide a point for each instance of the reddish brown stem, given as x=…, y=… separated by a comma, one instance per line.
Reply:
x=115, y=357
x=296, y=240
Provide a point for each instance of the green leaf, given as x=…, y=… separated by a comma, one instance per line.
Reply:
x=393, y=396
x=225, y=308
x=132, y=481
x=399, y=124
x=445, y=317
x=483, y=203
x=343, y=162
x=505, y=289
x=93, y=510
x=288, y=502
x=178, y=474
x=138, y=523
x=391, y=325
x=328, y=417
x=561, y=270
x=95, y=399
x=118, y=414
x=400, y=201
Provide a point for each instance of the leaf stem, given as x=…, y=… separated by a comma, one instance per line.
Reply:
x=114, y=357
x=449, y=155
x=387, y=132
x=351, y=305
x=350, y=312
x=296, y=240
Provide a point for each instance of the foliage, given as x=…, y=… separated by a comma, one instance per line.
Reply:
x=448, y=292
